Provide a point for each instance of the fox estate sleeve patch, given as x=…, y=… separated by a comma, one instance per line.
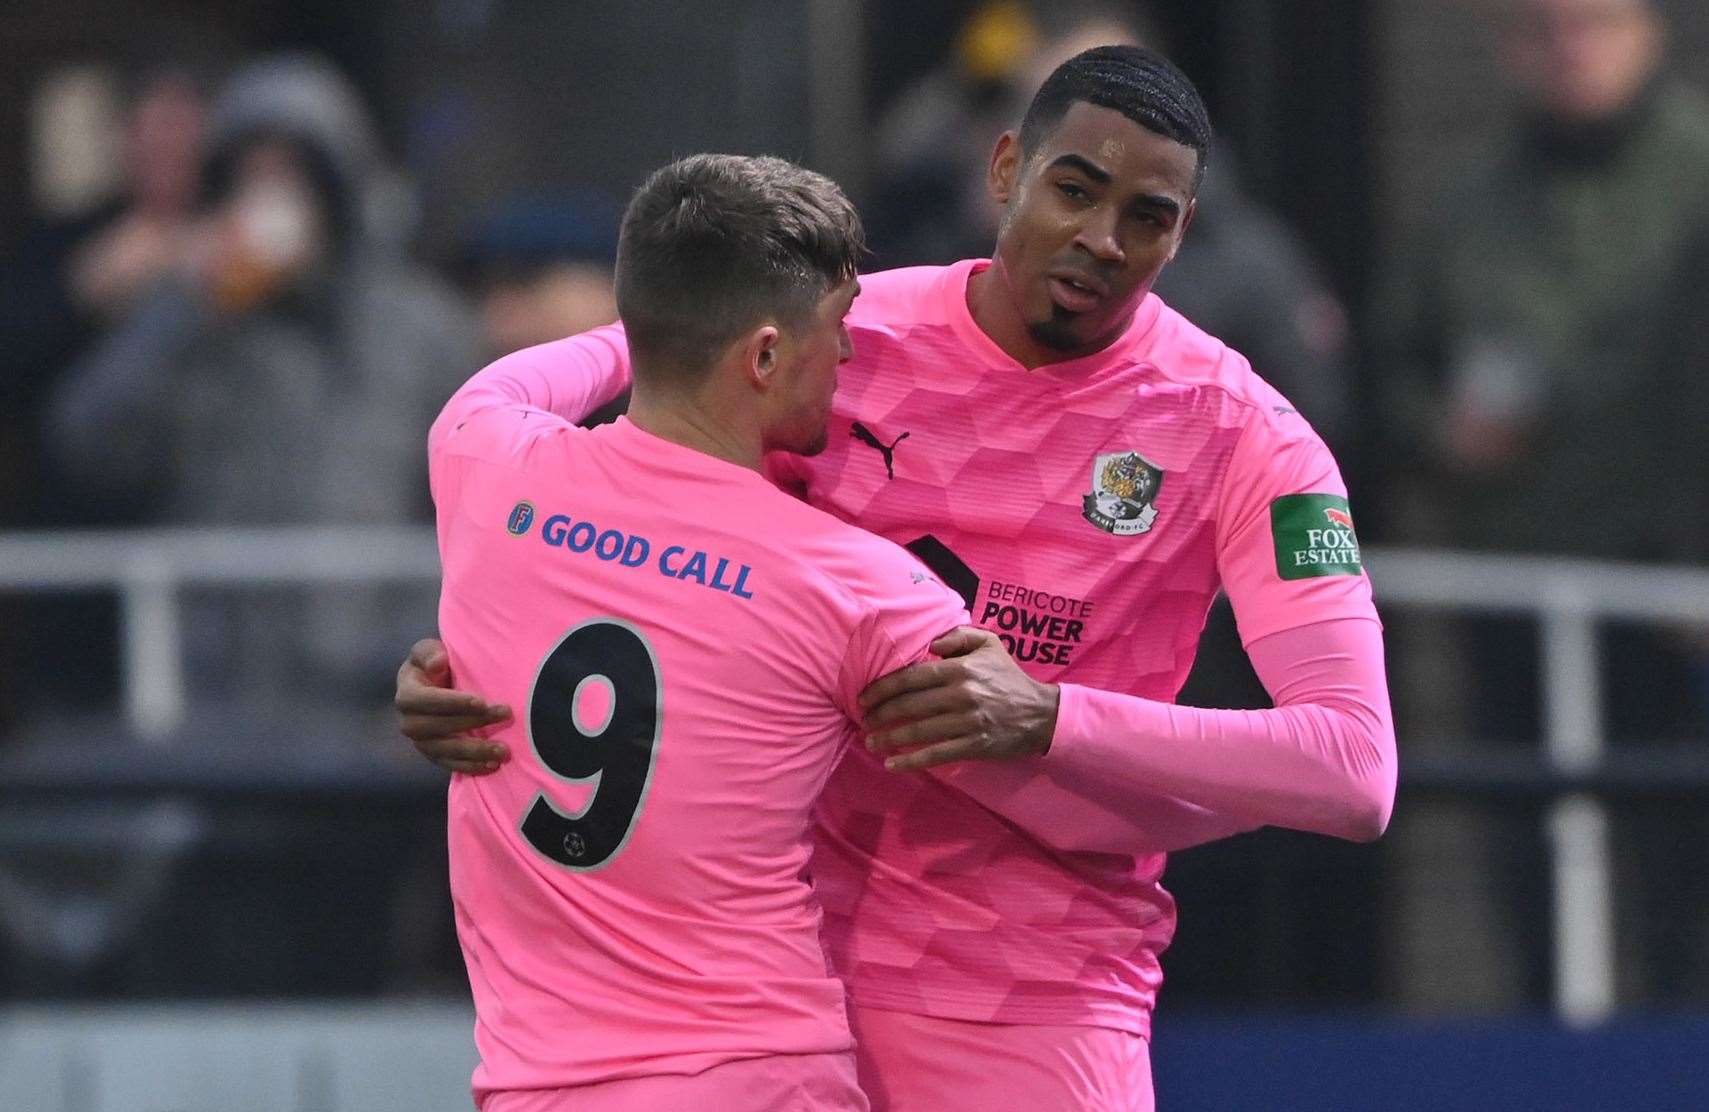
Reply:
x=1314, y=536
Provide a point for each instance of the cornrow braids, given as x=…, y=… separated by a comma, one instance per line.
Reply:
x=1141, y=84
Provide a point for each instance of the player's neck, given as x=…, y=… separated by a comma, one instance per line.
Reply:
x=690, y=422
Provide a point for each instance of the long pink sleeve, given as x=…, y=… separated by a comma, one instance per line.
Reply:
x=571, y=378
x=1322, y=760
x=1070, y=812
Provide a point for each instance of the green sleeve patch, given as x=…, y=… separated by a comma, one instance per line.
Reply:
x=1314, y=536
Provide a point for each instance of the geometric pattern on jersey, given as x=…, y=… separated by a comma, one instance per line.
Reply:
x=934, y=904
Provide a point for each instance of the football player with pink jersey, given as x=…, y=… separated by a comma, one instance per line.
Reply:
x=690, y=644
x=1086, y=469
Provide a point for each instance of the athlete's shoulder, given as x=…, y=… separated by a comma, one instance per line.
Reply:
x=866, y=570
x=901, y=279
x=823, y=539
x=903, y=295
x=1187, y=354
x=488, y=424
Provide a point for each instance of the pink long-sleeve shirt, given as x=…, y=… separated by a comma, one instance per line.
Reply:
x=685, y=645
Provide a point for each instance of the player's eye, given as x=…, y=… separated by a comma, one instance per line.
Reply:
x=1070, y=190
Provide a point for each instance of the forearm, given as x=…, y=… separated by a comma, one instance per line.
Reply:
x=1078, y=813
x=569, y=378
x=1323, y=759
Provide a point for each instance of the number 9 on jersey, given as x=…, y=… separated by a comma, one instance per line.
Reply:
x=620, y=751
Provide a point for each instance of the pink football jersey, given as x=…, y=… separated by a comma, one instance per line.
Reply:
x=1088, y=512
x=683, y=645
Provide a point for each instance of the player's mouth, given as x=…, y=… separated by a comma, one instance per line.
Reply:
x=1076, y=291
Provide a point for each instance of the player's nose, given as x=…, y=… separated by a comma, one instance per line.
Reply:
x=1097, y=236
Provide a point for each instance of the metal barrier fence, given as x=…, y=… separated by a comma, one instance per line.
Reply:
x=147, y=569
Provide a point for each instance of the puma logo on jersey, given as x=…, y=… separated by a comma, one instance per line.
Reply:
x=865, y=435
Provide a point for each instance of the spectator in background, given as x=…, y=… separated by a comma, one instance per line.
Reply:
x=68, y=279
x=1549, y=359
x=539, y=269
x=934, y=141
x=279, y=372
x=1546, y=396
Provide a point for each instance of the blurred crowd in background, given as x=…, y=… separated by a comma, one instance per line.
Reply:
x=244, y=281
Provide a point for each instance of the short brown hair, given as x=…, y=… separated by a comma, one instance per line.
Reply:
x=714, y=244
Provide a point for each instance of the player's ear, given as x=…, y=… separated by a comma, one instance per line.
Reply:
x=1002, y=175
x=760, y=355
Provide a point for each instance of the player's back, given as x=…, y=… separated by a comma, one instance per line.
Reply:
x=682, y=644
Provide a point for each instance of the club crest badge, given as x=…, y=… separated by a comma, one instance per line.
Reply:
x=1124, y=493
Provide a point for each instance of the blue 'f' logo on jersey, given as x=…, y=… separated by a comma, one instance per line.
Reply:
x=521, y=517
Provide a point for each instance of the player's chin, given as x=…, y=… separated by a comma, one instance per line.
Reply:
x=815, y=443
x=805, y=442
x=801, y=441
x=1062, y=330
x=1065, y=330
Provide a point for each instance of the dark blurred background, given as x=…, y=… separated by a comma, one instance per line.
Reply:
x=247, y=249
